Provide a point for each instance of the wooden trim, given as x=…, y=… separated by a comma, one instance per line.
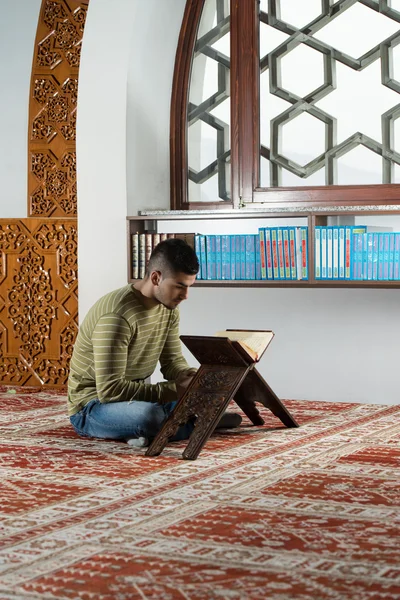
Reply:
x=179, y=104
x=349, y=195
x=245, y=110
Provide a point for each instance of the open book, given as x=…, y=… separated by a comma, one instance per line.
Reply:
x=254, y=342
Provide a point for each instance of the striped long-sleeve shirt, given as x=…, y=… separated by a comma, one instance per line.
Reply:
x=118, y=346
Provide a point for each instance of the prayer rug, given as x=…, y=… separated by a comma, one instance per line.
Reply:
x=263, y=513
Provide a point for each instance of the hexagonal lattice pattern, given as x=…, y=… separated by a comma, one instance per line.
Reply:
x=307, y=35
x=214, y=162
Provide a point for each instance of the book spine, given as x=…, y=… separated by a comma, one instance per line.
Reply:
x=243, y=256
x=281, y=259
x=375, y=240
x=292, y=252
x=317, y=252
x=342, y=247
x=157, y=240
x=323, y=253
x=148, y=247
x=369, y=242
x=218, y=256
x=335, y=233
x=380, y=257
x=386, y=256
x=329, y=253
x=274, y=247
x=391, y=256
x=396, y=258
x=257, y=252
x=232, y=242
x=250, y=266
x=135, y=255
x=226, y=257
x=142, y=255
x=203, y=254
x=347, y=252
x=261, y=234
x=286, y=252
x=210, y=250
x=237, y=257
x=198, y=253
x=268, y=253
x=304, y=252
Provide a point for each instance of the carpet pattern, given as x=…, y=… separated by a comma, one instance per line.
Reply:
x=264, y=512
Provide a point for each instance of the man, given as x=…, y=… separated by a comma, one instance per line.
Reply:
x=119, y=344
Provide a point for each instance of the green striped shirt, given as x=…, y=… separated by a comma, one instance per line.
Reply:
x=118, y=346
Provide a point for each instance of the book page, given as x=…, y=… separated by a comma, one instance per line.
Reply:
x=257, y=341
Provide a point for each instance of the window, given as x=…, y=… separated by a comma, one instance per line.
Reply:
x=281, y=102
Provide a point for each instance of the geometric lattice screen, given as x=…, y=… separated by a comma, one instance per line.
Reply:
x=209, y=107
x=53, y=109
x=38, y=300
x=329, y=92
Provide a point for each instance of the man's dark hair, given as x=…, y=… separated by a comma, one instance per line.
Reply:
x=173, y=256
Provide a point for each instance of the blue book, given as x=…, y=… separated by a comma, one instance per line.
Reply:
x=238, y=274
x=375, y=241
x=250, y=257
x=369, y=250
x=258, y=256
x=335, y=244
x=203, y=256
x=329, y=253
x=396, y=259
x=304, y=252
x=317, y=252
x=342, y=261
x=232, y=239
x=323, y=254
x=262, y=252
x=292, y=252
x=391, y=256
x=198, y=253
x=226, y=256
x=385, y=256
x=218, y=257
x=210, y=250
x=268, y=253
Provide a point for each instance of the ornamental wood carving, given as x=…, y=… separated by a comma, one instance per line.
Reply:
x=38, y=300
x=52, y=109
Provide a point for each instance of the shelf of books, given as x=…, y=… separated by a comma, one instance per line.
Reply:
x=260, y=249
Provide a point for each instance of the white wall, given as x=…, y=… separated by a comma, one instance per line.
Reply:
x=18, y=24
x=101, y=149
x=123, y=164
x=155, y=32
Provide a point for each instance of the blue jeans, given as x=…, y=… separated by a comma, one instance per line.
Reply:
x=126, y=420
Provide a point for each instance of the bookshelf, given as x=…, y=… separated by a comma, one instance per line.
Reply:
x=241, y=220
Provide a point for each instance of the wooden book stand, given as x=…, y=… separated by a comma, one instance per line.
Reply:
x=226, y=372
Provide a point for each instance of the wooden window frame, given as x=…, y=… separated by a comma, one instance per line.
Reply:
x=245, y=137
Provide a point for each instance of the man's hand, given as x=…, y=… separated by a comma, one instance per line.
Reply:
x=183, y=381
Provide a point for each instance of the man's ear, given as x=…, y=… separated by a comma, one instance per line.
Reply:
x=155, y=277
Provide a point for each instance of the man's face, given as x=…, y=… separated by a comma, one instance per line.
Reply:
x=171, y=290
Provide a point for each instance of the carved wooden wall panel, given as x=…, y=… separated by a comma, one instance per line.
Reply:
x=38, y=300
x=52, y=109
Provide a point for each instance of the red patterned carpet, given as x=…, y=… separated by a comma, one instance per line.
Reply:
x=264, y=513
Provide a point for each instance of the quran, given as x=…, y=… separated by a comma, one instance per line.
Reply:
x=254, y=342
